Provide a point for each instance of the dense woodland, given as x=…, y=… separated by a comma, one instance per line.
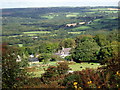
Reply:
x=90, y=32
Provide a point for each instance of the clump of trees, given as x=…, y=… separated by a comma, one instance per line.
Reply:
x=95, y=48
x=13, y=74
x=86, y=49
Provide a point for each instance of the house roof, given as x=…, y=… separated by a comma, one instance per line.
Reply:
x=33, y=59
x=64, y=50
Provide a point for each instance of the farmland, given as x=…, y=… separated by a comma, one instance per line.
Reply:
x=36, y=32
x=60, y=47
x=37, y=70
x=51, y=21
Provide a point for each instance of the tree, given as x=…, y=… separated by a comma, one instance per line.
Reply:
x=47, y=47
x=86, y=50
x=108, y=52
x=13, y=74
x=44, y=57
x=101, y=39
x=67, y=43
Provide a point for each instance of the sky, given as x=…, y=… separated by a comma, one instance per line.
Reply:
x=55, y=3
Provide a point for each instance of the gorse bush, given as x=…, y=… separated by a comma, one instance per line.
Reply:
x=53, y=72
x=104, y=77
x=62, y=68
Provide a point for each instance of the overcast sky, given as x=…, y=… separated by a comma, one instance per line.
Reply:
x=55, y=3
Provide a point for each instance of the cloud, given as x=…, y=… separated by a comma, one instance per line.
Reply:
x=46, y=3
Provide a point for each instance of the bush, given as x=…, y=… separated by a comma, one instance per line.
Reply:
x=105, y=77
x=62, y=68
x=53, y=72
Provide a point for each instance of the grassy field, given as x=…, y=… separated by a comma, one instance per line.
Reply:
x=101, y=9
x=20, y=45
x=90, y=12
x=15, y=35
x=48, y=17
x=80, y=66
x=71, y=15
x=38, y=70
x=74, y=32
x=37, y=32
x=82, y=28
x=30, y=34
x=96, y=20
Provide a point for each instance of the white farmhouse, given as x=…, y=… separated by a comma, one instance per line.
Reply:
x=64, y=52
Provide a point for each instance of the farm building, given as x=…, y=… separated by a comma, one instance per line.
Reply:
x=64, y=52
x=73, y=24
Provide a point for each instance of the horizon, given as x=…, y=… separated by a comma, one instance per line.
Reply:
x=57, y=7
x=53, y=3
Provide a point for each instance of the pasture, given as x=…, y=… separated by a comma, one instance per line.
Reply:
x=82, y=28
x=37, y=32
x=99, y=9
x=38, y=68
x=74, y=32
x=71, y=15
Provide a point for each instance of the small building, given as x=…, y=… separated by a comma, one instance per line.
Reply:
x=18, y=59
x=31, y=56
x=81, y=23
x=33, y=60
x=73, y=24
x=64, y=52
x=70, y=71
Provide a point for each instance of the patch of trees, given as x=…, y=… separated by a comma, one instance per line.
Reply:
x=13, y=74
x=97, y=48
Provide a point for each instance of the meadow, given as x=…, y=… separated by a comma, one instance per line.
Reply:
x=36, y=32
x=38, y=68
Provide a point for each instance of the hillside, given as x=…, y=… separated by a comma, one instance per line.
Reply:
x=25, y=25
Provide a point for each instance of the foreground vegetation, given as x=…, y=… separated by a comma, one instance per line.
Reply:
x=107, y=76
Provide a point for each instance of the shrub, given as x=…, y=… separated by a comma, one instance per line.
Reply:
x=106, y=77
x=53, y=72
x=62, y=68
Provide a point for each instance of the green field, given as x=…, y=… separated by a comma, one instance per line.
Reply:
x=90, y=12
x=82, y=28
x=48, y=17
x=74, y=32
x=71, y=15
x=36, y=32
x=15, y=35
x=96, y=20
x=30, y=34
x=20, y=45
x=74, y=67
x=101, y=9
